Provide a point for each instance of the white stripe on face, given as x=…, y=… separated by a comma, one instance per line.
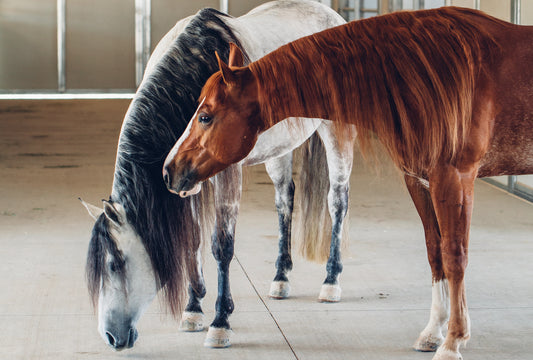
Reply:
x=183, y=136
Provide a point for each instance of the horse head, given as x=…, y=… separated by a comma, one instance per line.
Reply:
x=120, y=276
x=223, y=130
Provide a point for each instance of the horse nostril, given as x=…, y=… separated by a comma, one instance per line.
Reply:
x=132, y=337
x=166, y=178
x=110, y=338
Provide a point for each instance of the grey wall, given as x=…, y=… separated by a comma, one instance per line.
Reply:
x=100, y=41
x=100, y=38
x=28, y=45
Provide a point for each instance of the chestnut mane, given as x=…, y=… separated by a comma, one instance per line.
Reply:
x=406, y=77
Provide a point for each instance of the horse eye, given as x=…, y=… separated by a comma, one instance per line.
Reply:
x=205, y=119
x=114, y=266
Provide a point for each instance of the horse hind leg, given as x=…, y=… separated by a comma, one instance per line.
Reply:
x=431, y=337
x=338, y=206
x=280, y=172
x=227, y=196
x=192, y=319
x=340, y=159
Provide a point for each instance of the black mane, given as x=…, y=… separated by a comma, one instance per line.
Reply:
x=157, y=116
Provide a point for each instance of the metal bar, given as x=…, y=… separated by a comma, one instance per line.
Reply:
x=224, y=6
x=358, y=9
x=142, y=37
x=61, y=41
x=515, y=19
x=515, y=11
x=511, y=182
x=147, y=32
x=395, y=5
x=505, y=187
x=448, y=3
x=477, y=4
x=418, y=4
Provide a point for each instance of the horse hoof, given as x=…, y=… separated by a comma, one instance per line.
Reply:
x=192, y=321
x=330, y=293
x=217, y=338
x=427, y=343
x=446, y=354
x=279, y=290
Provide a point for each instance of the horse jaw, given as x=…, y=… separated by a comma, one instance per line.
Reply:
x=121, y=304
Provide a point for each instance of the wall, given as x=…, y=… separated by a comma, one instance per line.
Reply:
x=100, y=44
x=28, y=44
x=100, y=38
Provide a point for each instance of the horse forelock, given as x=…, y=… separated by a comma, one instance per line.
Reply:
x=407, y=77
x=170, y=227
x=212, y=87
x=100, y=245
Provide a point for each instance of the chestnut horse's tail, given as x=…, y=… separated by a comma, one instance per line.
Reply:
x=312, y=228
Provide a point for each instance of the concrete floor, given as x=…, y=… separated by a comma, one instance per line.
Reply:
x=52, y=152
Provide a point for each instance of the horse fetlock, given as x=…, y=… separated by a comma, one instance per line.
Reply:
x=279, y=290
x=218, y=337
x=284, y=262
x=330, y=293
x=192, y=322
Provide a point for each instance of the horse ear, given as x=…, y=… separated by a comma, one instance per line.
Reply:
x=112, y=213
x=94, y=211
x=236, y=58
x=227, y=74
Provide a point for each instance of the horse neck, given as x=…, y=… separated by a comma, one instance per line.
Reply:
x=297, y=95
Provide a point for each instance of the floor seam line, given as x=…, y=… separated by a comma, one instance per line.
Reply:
x=266, y=307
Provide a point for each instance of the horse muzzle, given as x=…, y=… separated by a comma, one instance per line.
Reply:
x=182, y=182
x=121, y=340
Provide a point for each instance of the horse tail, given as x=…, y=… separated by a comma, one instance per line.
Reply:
x=312, y=228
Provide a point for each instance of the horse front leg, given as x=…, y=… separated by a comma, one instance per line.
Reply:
x=192, y=319
x=280, y=172
x=227, y=196
x=431, y=337
x=452, y=193
x=340, y=160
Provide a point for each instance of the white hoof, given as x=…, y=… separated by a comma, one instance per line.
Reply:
x=192, y=321
x=330, y=293
x=217, y=338
x=279, y=290
x=428, y=342
x=446, y=354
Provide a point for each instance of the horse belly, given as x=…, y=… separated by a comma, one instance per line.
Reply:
x=511, y=148
x=508, y=159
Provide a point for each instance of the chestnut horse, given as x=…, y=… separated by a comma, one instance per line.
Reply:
x=448, y=92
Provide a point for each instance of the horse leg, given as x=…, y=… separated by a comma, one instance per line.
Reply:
x=227, y=196
x=431, y=337
x=452, y=192
x=340, y=159
x=280, y=172
x=192, y=318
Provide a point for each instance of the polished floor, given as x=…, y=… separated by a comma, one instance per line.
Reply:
x=52, y=152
